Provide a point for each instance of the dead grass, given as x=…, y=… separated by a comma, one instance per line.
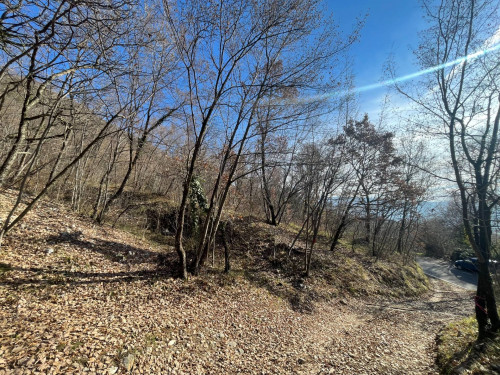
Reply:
x=262, y=251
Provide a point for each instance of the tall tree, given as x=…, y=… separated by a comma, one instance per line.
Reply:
x=374, y=161
x=412, y=189
x=231, y=51
x=462, y=95
x=151, y=87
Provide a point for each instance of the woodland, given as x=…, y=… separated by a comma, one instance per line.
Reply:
x=186, y=119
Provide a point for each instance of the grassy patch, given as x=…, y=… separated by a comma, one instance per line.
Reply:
x=458, y=350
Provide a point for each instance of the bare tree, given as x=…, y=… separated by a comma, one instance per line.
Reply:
x=57, y=56
x=412, y=190
x=462, y=96
x=151, y=87
x=374, y=161
x=279, y=181
x=230, y=52
x=322, y=174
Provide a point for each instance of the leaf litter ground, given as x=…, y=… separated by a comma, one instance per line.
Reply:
x=77, y=298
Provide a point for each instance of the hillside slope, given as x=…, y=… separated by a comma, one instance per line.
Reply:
x=78, y=298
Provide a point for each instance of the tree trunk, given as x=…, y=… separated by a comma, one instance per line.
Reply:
x=368, y=220
x=401, y=231
x=486, y=307
x=338, y=232
x=180, y=225
x=227, y=234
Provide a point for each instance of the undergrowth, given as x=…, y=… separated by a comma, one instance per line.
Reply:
x=459, y=352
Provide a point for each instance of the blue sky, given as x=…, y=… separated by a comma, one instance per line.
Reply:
x=391, y=27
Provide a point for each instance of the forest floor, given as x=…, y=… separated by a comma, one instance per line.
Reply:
x=79, y=298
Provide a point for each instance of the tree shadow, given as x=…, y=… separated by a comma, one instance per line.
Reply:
x=59, y=277
x=47, y=276
x=114, y=251
x=459, y=359
x=164, y=264
x=269, y=267
x=465, y=275
x=295, y=292
x=267, y=262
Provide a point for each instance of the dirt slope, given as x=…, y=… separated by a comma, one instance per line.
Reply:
x=75, y=298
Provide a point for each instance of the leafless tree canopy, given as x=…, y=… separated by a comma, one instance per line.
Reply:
x=177, y=116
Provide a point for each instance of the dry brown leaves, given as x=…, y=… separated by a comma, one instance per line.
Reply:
x=86, y=299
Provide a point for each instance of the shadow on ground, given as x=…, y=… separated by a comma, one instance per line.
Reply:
x=112, y=250
x=157, y=265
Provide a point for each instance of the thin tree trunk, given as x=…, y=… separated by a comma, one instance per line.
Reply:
x=8, y=162
x=343, y=221
x=401, y=231
x=227, y=233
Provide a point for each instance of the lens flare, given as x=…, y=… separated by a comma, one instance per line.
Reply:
x=406, y=77
x=445, y=65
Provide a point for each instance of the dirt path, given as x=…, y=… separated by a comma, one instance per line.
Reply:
x=223, y=330
x=384, y=338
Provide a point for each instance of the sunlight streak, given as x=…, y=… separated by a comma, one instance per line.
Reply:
x=406, y=77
